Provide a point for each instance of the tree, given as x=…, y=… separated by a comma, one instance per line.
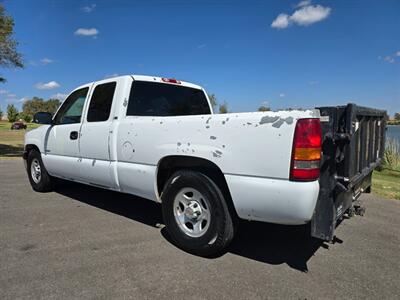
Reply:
x=52, y=105
x=223, y=108
x=213, y=101
x=25, y=117
x=12, y=113
x=1, y=114
x=34, y=105
x=397, y=116
x=9, y=57
x=264, y=108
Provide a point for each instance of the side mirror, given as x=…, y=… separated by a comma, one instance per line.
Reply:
x=43, y=118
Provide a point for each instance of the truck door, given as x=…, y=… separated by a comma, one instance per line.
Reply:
x=95, y=165
x=62, y=139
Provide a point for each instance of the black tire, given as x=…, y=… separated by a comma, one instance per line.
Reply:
x=220, y=231
x=45, y=183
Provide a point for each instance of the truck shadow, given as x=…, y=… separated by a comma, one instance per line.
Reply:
x=263, y=242
x=276, y=244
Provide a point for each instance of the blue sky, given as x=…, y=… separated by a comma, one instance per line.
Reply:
x=248, y=53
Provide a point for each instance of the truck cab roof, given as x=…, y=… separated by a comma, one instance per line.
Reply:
x=150, y=79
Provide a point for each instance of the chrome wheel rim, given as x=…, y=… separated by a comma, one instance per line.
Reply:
x=36, y=171
x=192, y=212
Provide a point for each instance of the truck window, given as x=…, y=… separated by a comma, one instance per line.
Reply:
x=161, y=99
x=100, y=104
x=71, y=110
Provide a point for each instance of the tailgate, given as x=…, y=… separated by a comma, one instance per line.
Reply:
x=353, y=143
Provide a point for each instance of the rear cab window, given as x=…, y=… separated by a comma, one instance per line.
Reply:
x=162, y=99
x=101, y=102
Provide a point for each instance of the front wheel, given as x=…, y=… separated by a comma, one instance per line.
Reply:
x=39, y=179
x=196, y=214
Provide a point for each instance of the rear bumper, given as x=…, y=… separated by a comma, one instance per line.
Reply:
x=273, y=200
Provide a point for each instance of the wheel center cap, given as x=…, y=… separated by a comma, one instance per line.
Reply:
x=193, y=210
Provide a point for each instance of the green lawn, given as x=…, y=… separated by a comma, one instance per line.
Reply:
x=386, y=184
x=12, y=141
x=6, y=126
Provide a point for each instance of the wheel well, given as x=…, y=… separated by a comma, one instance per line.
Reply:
x=29, y=148
x=170, y=164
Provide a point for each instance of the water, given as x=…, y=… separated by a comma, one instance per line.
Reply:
x=393, y=132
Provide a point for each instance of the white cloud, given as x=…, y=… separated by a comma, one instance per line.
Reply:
x=46, y=61
x=111, y=75
x=306, y=15
x=59, y=96
x=281, y=21
x=389, y=59
x=282, y=95
x=264, y=103
x=8, y=95
x=313, y=82
x=304, y=3
x=310, y=14
x=87, y=32
x=88, y=8
x=23, y=99
x=10, y=98
x=201, y=46
x=47, y=86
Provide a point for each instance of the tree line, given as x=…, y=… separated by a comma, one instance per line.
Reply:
x=29, y=108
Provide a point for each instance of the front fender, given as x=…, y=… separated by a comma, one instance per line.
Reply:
x=36, y=137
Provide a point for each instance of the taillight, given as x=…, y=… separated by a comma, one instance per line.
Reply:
x=306, y=153
x=171, y=80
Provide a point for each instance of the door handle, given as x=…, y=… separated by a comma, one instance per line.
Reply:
x=73, y=135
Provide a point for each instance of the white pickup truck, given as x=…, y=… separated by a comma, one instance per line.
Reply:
x=158, y=138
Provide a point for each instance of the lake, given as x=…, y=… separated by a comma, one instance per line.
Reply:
x=393, y=132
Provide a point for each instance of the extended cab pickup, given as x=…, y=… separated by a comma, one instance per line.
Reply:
x=158, y=138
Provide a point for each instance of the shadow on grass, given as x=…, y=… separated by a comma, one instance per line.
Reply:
x=11, y=150
x=266, y=243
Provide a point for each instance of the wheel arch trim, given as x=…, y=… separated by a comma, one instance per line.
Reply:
x=180, y=162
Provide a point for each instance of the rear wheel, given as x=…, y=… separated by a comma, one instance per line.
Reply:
x=196, y=214
x=39, y=179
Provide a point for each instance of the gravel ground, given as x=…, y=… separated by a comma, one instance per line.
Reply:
x=83, y=242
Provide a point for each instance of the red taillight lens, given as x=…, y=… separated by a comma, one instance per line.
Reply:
x=306, y=154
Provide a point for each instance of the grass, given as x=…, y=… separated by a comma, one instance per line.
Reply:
x=391, y=157
x=12, y=141
x=393, y=122
x=6, y=126
x=386, y=184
